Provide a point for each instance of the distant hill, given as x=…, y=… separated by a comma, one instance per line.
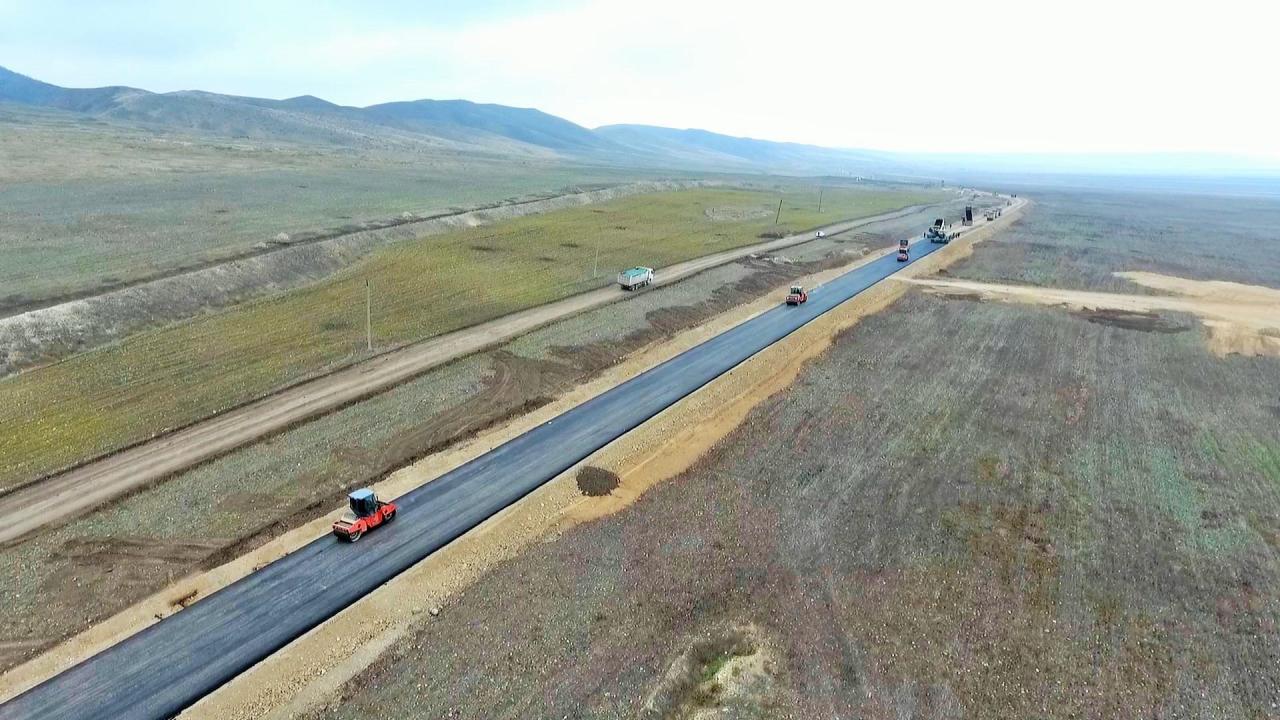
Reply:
x=706, y=146
x=22, y=89
x=449, y=124
x=461, y=119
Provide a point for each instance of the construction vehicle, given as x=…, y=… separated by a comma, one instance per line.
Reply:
x=797, y=296
x=636, y=277
x=939, y=232
x=994, y=213
x=366, y=513
x=968, y=216
x=904, y=248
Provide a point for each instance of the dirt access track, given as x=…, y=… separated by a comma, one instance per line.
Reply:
x=82, y=488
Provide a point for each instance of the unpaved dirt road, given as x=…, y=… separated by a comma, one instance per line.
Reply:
x=75, y=491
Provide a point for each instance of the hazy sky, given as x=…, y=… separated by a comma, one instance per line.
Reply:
x=962, y=76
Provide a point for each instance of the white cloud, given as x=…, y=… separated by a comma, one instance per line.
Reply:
x=987, y=75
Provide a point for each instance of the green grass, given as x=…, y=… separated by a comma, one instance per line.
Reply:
x=113, y=396
x=714, y=665
x=88, y=205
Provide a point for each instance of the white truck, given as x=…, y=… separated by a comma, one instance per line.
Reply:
x=636, y=277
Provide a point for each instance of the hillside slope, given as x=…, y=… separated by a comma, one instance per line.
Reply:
x=705, y=146
x=455, y=125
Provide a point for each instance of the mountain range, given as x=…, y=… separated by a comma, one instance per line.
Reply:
x=462, y=126
x=458, y=125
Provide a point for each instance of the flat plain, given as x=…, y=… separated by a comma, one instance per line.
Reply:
x=963, y=510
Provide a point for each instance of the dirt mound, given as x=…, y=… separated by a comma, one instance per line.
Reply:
x=596, y=482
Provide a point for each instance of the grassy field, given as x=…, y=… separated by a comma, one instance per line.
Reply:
x=110, y=397
x=963, y=510
x=90, y=205
x=1084, y=237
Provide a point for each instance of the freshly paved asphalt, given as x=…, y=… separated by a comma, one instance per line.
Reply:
x=170, y=665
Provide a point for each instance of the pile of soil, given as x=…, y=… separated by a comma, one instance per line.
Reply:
x=596, y=482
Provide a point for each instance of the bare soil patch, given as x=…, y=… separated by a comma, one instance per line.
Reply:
x=710, y=677
x=1239, y=319
x=90, y=552
x=1126, y=319
x=735, y=214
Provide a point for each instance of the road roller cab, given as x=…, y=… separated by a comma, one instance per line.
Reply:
x=365, y=513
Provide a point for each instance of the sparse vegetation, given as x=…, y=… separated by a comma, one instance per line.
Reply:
x=90, y=205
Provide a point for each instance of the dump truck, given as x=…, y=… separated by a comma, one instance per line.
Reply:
x=797, y=296
x=365, y=513
x=939, y=232
x=636, y=277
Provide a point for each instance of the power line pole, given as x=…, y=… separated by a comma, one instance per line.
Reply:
x=368, y=315
x=779, y=215
x=820, y=198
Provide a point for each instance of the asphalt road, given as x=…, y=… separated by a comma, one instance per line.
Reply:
x=65, y=495
x=170, y=665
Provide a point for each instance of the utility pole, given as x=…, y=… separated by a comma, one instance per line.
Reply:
x=368, y=315
x=820, y=189
x=779, y=215
x=595, y=271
